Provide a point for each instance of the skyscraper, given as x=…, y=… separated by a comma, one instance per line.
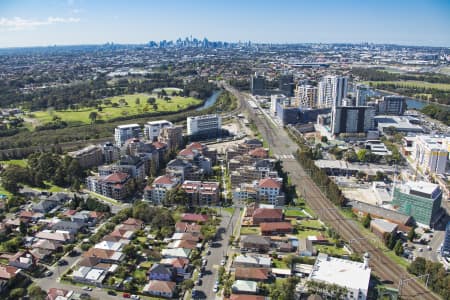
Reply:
x=446, y=245
x=286, y=84
x=332, y=89
x=362, y=92
x=257, y=84
x=306, y=96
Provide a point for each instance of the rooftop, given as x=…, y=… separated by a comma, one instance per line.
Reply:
x=342, y=272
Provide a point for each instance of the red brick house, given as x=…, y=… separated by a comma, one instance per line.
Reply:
x=275, y=228
x=264, y=215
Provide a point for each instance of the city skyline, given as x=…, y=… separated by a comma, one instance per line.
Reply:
x=75, y=22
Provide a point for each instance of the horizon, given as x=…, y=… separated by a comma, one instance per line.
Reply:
x=32, y=23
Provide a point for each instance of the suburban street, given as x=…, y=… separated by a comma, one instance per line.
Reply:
x=282, y=146
x=219, y=249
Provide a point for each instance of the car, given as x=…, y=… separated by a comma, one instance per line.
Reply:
x=208, y=252
x=222, y=262
x=126, y=295
x=200, y=274
x=420, y=249
x=429, y=248
x=136, y=297
x=204, y=262
x=87, y=288
x=216, y=283
x=198, y=281
x=48, y=273
x=62, y=262
x=111, y=293
x=215, y=289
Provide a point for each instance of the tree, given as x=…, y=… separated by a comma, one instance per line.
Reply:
x=362, y=155
x=324, y=139
x=350, y=155
x=23, y=228
x=155, y=106
x=17, y=293
x=411, y=234
x=398, y=248
x=93, y=116
x=366, y=220
x=187, y=284
x=36, y=293
x=151, y=100
x=137, y=101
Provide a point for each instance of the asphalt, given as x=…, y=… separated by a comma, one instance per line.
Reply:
x=219, y=249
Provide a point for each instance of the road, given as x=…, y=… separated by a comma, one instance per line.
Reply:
x=282, y=146
x=219, y=249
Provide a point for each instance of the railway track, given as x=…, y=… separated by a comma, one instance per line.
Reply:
x=382, y=266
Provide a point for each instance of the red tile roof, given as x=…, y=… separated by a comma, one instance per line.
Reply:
x=70, y=212
x=53, y=293
x=195, y=145
x=164, y=179
x=186, y=152
x=246, y=297
x=274, y=226
x=259, y=152
x=268, y=213
x=269, y=183
x=8, y=272
x=252, y=273
x=26, y=214
x=116, y=177
x=161, y=286
x=159, y=145
x=133, y=221
x=179, y=262
x=194, y=218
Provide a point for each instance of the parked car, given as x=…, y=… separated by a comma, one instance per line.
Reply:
x=126, y=295
x=111, y=293
x=87, y=288
x=222, y=262
x=48, y=273
x=136, y=297
x=62, y=262
x=215, y=289
x=198, y=281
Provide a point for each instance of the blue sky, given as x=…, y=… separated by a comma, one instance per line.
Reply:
x=66, y=22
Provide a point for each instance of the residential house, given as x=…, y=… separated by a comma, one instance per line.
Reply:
x=261, y=215
x=106, y=256
x=57, y=236
x=58, y=294
x=7, y=274
x=106, y=245
x=181, y=265
x=52, y=246
x=195, y=237
x=255, y=242
x=197, y=218
x=72, y=227
x=161, y=272
x=247, y=297
x=305, y=247
x=45, y=206
x=252, y=261
x=186, y=244
x=245, y=287
x=133, y=223
x=177, y=252
x=89, y=275
x=23, y=260
x=182, y=227
x=160, y=288
x=253, y=274
x=275, y=228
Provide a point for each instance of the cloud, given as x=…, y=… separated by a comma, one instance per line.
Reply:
x=17, y=23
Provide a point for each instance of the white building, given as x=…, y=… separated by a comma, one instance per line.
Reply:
x=269, y=190
x=153, y=129
x=205, y=124
x=156, y=193
x=306, y=96
x=332, y=89
x=431, y=153
x=354, y=276
x=125, y=132
x=274, y=100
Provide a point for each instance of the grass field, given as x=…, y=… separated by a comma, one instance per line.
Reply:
x=305, y=233
x=17, y=162
x=294, y=213
x=412, y=84
x=331, y=250
x=108, y=112
x=250, y=230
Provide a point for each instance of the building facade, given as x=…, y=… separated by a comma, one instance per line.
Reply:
x=306, y=96
x=352, y=119
x=204, y=125
x=153, y=129
x=89, y=156
x=125, y=132
x=331, y=90
x=421, y=200
x=430, y=153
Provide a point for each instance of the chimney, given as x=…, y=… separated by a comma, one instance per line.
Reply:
x=366, y=260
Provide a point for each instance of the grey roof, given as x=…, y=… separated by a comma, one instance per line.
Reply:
x=383, y=225
x=255, y=239
x=161, y=269
x=380, y=212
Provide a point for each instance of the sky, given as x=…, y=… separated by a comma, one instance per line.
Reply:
x=72, y=22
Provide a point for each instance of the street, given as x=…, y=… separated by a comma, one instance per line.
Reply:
x=218, y=249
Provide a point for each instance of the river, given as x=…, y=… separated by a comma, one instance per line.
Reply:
x=210, y=101
x=411, y=103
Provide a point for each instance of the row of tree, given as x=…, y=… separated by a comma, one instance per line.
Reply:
x=437, y=112
x=439, y=279
x=372, y=74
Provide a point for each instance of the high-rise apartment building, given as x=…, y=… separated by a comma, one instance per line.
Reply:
x=125, y=132
x=331, y=90
x=352, y=119
x=153, y=129
x=306, y=96
x=204, y=125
